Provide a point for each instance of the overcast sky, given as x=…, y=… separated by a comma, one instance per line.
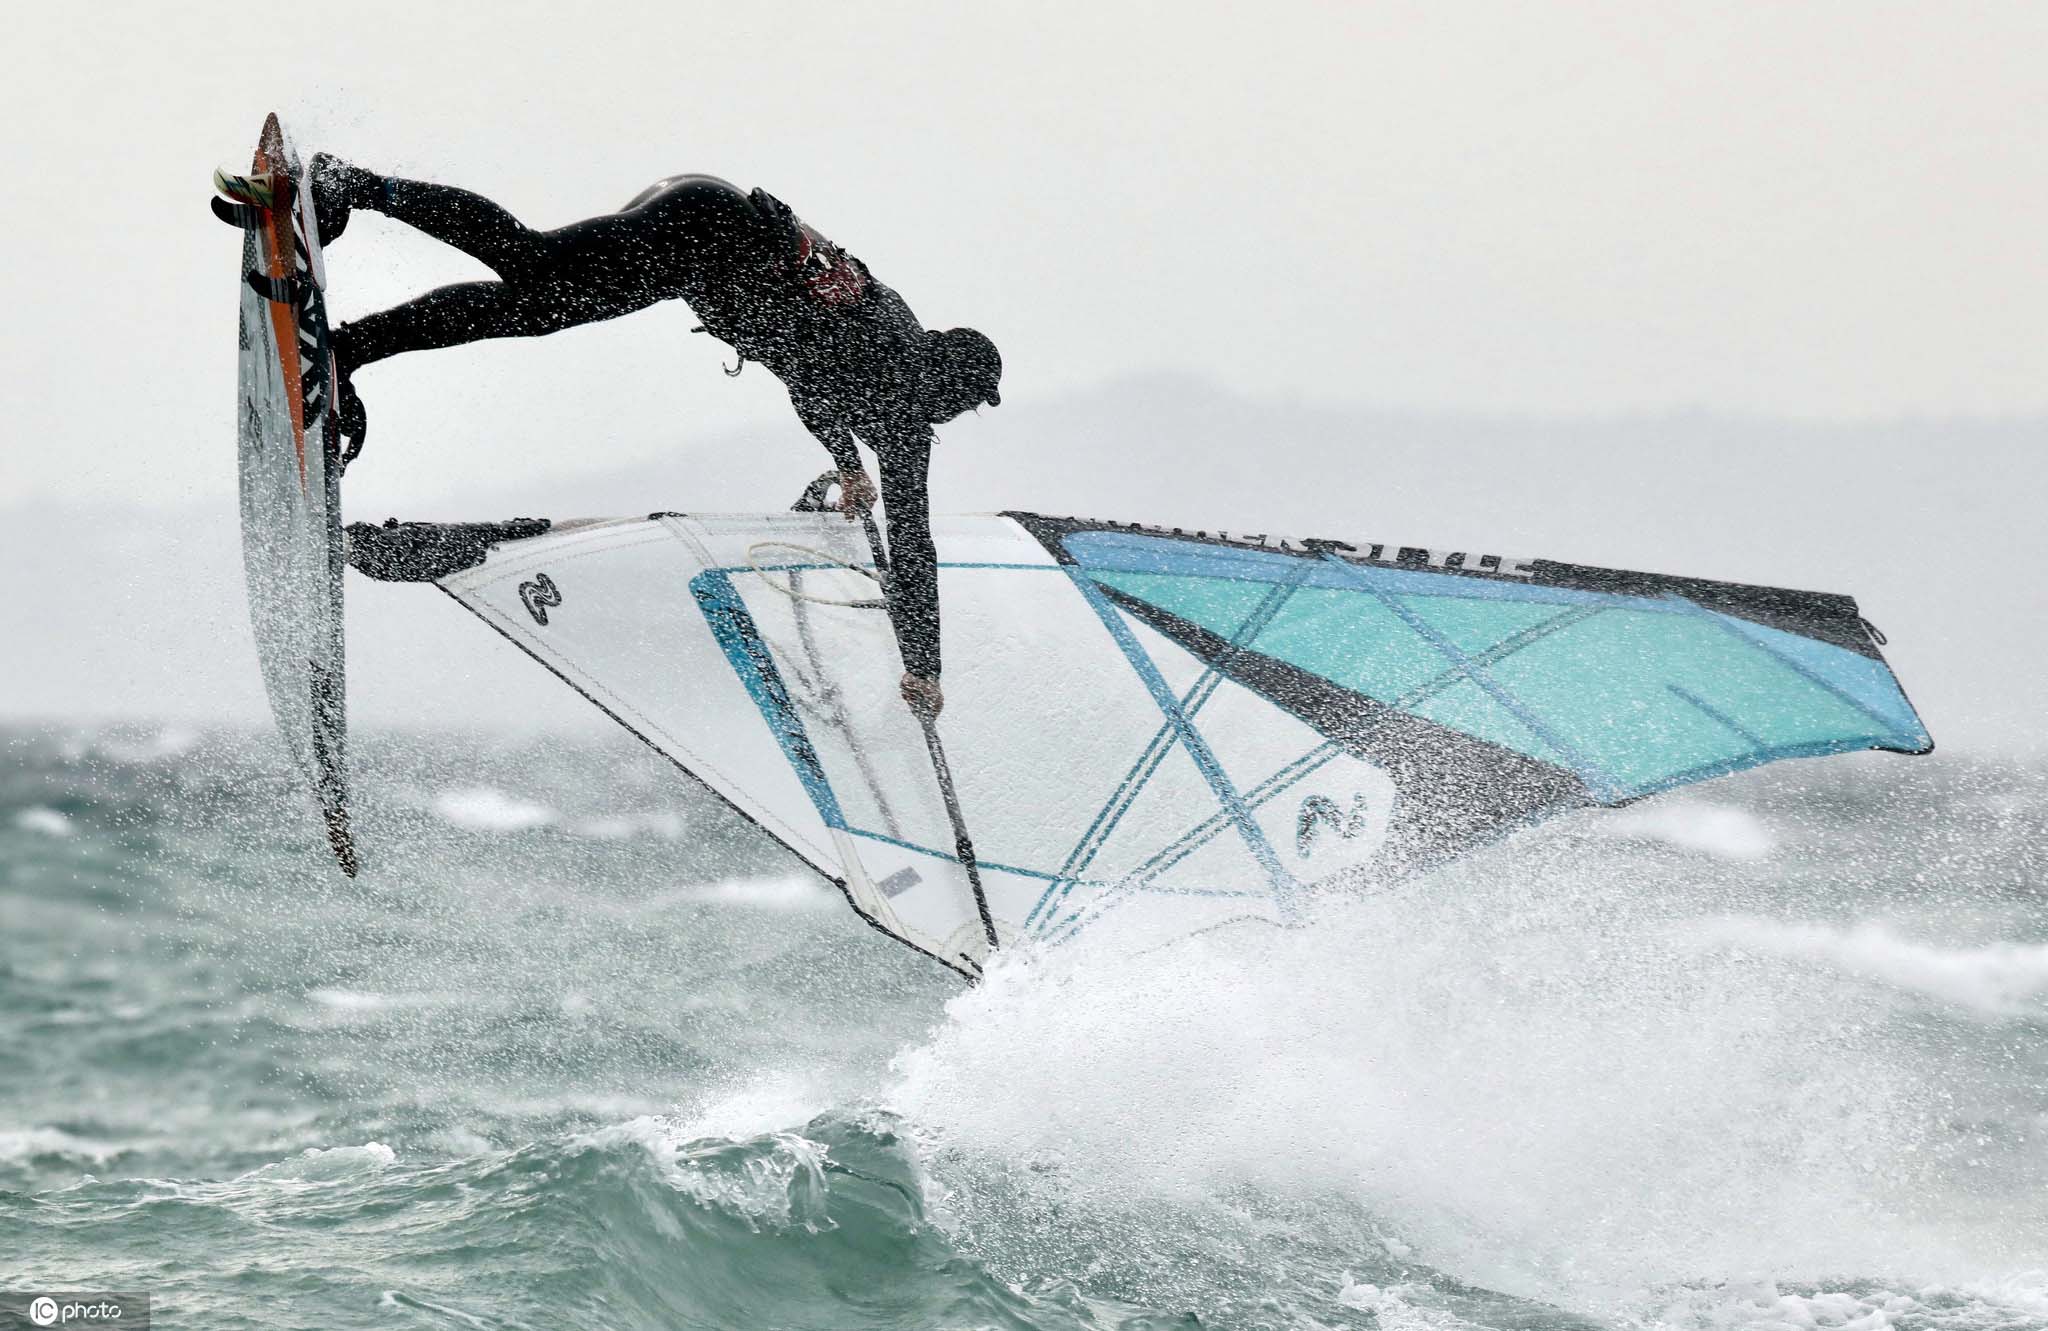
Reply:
x=1745, y=291
x=1829, y=211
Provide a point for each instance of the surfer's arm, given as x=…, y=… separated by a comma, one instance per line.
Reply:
x=856, y=491
x=913, y=559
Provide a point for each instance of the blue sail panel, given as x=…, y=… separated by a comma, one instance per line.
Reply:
x=1351, y=640
x=1648, y=696
x=1474, y=625
x=1465, y=707
x=1865, y=682
x=1221, y=605
x=1628, y=691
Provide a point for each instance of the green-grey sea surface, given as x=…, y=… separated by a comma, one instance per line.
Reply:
x=580, y=1050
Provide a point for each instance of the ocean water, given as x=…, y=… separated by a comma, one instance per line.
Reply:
x=579, y=1050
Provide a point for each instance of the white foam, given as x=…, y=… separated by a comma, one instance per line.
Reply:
x=409, y=1301
x=155, y=746
x=488, y=809
x=2023, y=1291
x=1762, y=1305
x=361, y=1002
x=774, y=1181
x=1994, y=980
x=771, y=894
x=329, y=1165
x=348, y=1000
x=758, y=1107
x=23, y=1144
x=1401, y=1307
x=1718, y=830
x=1538, y=1086
x=664, y=826
x=44, y=821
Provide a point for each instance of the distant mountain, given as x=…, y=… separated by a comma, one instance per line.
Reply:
x=1933, y=525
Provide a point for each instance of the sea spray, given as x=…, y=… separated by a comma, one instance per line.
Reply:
x=1658, y=1084
x=1993, y=981
x=1533, y=1079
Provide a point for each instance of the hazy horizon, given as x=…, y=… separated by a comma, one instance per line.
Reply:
x=1930, y=524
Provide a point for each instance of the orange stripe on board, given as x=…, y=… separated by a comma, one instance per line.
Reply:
x=284, y=322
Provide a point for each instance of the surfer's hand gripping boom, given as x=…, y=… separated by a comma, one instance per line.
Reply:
x=856, y=493
x=923, y=695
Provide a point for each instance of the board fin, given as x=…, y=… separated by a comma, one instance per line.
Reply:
x=247, y=216
x=284, y=290
x=255, y=188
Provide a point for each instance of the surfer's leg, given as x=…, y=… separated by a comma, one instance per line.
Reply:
x=675, y=224
x=466, y=220
x=474, y=311
x=670, y=241
x=466, y=312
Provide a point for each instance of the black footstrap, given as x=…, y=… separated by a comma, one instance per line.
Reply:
x=355, y=443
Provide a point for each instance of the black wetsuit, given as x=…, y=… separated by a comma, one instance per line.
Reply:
x=847, y=347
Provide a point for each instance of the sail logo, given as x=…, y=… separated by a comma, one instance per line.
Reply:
x=538, y=595
x=1319, y=812
x=1364, y=552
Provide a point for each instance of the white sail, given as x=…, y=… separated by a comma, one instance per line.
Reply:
x=1163, y=731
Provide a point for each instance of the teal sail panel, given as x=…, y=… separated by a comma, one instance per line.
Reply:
x=1632, y=686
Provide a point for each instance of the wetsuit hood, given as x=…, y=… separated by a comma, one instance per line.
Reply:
x=962, y=370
